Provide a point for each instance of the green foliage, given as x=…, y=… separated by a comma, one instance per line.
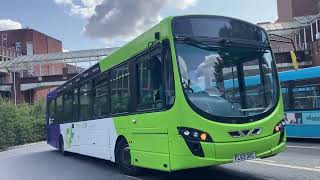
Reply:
x=21, y=124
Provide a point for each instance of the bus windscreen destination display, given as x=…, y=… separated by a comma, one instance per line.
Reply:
x=218, y=27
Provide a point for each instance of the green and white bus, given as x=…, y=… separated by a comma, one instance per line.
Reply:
x=162, y=101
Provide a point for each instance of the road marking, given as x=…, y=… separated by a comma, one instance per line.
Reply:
x=318, y=167
x=132, y=177
x=304, y=147
x=285, y=166
x=265, y=160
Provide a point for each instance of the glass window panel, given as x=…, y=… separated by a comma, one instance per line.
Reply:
x=149, y=78
x=101, y=101
x=85, y=102
x=68, y=107
x=306, y=97
x=120, y=93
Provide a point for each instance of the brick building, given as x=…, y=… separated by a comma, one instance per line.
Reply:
x=15, y=43
x=299, y=20
x=29, y=42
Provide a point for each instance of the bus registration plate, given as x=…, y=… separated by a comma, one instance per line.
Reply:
x=244, y=156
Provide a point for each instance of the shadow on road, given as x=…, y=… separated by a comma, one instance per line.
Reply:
x=304, y=140
x=107, y=168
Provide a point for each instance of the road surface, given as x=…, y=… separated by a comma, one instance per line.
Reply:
x=41, y=162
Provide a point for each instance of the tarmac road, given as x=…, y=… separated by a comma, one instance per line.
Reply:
x=41, y=162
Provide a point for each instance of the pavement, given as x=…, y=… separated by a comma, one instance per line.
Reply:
x=39, y=161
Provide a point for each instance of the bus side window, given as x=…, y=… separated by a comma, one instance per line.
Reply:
x=306, y=97
x=59, y=110
x=75, y=105
x=51, y=111
x=149, y=71
x=101, y=96
x=168, y=75
x=68, y=107
x=119, y=86
x=85, y=103
x=285, y=95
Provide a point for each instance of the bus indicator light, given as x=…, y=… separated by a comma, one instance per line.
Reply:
x=203, y=136
x=279, y=127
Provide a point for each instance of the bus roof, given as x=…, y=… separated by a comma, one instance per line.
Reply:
x=305, y=73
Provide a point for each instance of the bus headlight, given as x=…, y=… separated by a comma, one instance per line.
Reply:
x=194, y=134
x=279, y=127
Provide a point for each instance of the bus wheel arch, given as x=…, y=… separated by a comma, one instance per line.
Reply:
x=122, y=152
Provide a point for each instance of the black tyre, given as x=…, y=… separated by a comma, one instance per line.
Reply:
x=123, y=159
x=61, y=147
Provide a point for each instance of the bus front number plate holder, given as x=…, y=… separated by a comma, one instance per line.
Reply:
x=244, y=156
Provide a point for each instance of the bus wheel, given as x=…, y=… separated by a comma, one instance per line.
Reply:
x=123, y=159
x=61, y=147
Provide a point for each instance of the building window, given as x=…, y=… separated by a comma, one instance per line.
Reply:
x=120, y=93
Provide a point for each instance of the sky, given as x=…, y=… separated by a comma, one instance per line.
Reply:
x=91, y=24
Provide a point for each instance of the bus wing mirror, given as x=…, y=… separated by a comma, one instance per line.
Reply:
x=294, y=60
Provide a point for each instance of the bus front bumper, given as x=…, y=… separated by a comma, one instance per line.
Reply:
x=221, y=153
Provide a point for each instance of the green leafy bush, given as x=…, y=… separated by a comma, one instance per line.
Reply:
x=21, y=124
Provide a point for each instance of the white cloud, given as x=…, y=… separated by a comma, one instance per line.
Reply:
x=84, y=9
x=117, y=21
x=63, y=1
x=183, y=4
x=65, y=50
x=8, y=24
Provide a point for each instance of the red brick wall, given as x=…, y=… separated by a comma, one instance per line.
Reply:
x=41, y=42
x=288, y=9
x=47, y=69
x=304, y=7
x=41, y=94
x=20, y=35
x=284, y=10
x=54, y=45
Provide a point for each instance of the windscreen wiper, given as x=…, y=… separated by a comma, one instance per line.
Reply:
x=253, y=109
x=197, y=43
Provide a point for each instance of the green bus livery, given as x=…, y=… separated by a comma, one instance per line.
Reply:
x=162, y=101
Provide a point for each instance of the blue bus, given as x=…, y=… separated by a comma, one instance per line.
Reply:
x=301, y=98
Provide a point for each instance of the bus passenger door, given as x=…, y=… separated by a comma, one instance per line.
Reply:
x=150, y=132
